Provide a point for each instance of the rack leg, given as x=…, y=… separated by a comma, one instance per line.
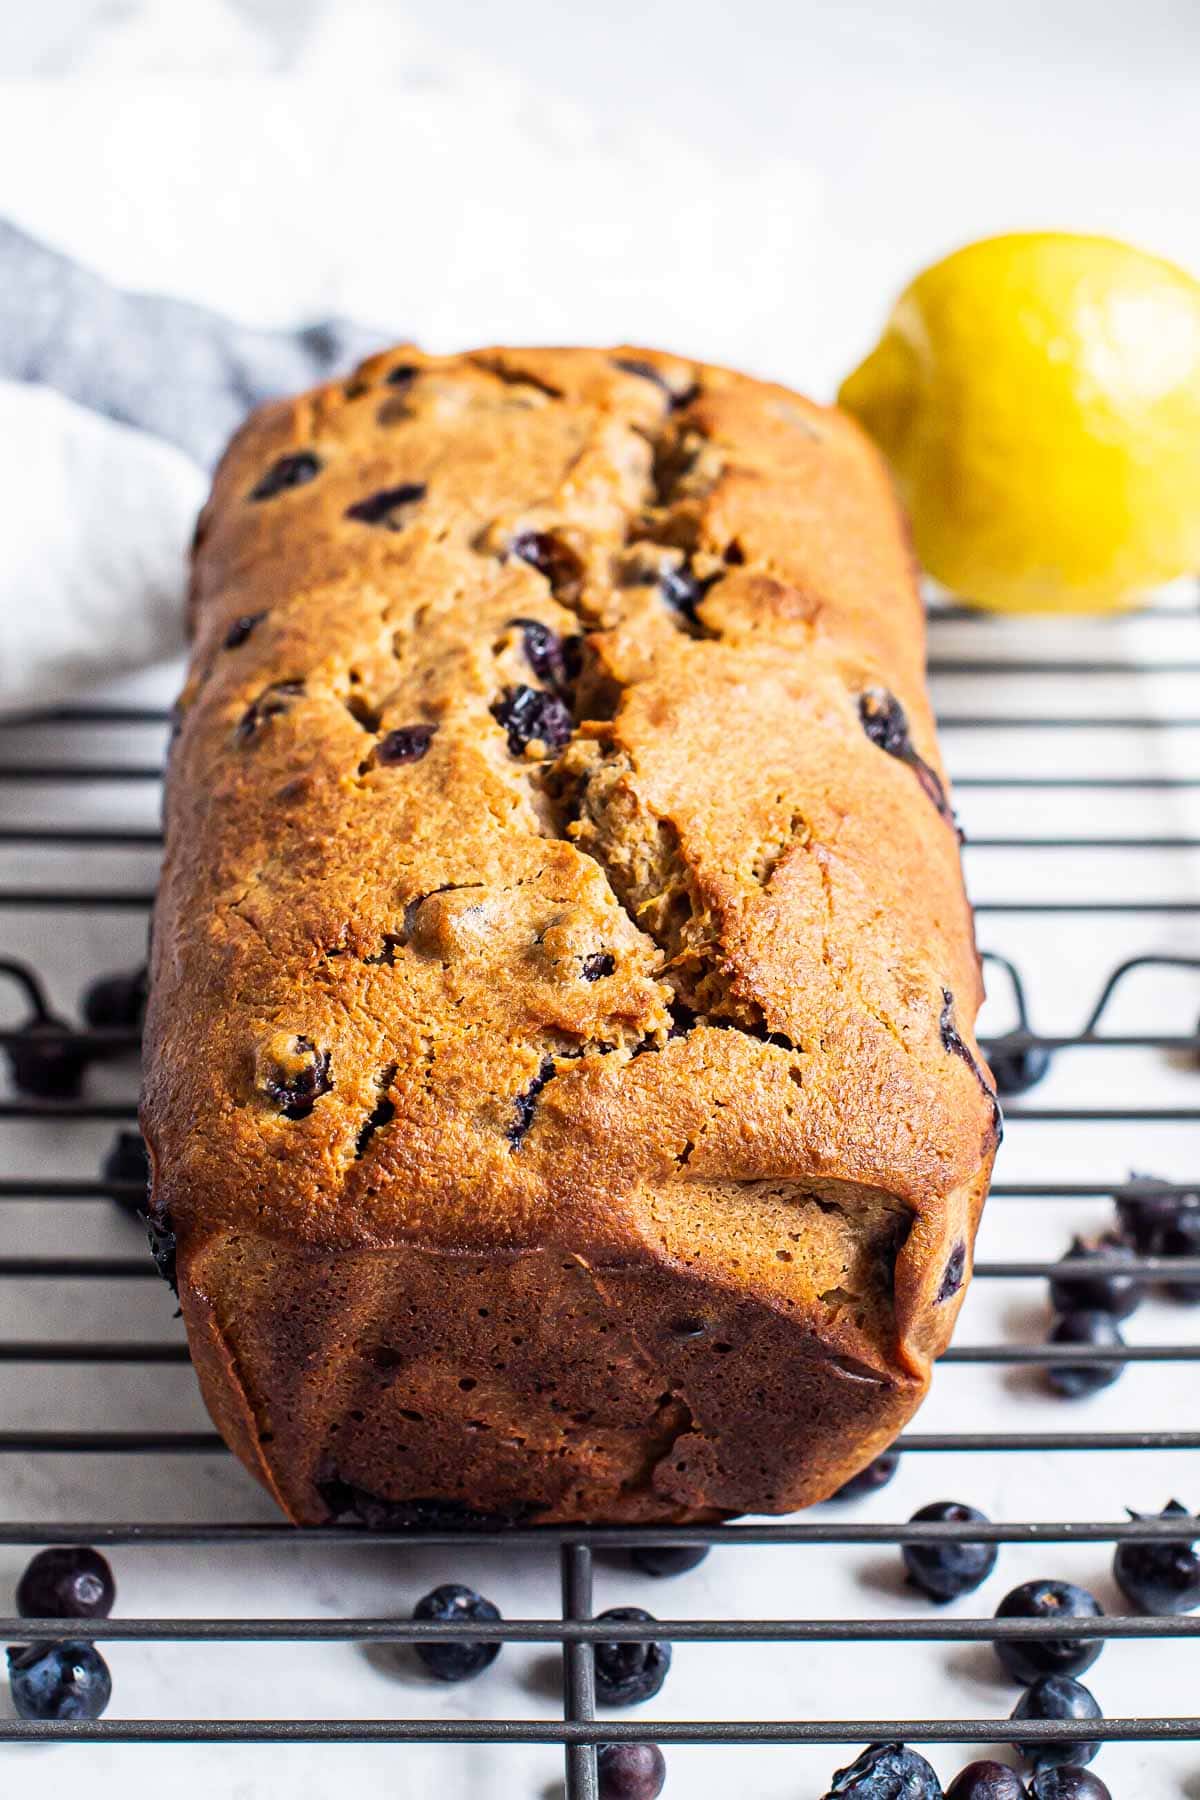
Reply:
x=579, y=1685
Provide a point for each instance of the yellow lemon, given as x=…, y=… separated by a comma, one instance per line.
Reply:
x=1038, y=397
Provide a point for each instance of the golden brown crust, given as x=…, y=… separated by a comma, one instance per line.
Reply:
x=561, y=1077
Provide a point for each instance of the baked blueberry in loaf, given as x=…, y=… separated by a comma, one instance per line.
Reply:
x=561, y=1088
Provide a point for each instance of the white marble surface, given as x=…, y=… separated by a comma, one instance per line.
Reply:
x=197, y=149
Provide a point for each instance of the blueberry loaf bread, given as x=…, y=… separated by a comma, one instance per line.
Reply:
x=561, y=1089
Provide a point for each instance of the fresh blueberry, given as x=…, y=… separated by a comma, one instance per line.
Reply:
x=1027, y=1658
x=1057, y=1697
x=943, y=1571
x=1067, y=1783
x=389, y=507
x=1117, y=1295
x=1183, y=1239
x=1159, y=1578
x=47, y=1063
x=72, y=1582
x=530, y=716
x=126, y=1161
x=1148, y=1209
x=1017, y=1069
x=627, y=1673
x=886, y=1772
x=876, y=1475
x=289, y=472
x=1098, y=1329
x=67, y=1583
x=668, y=1559
x=630, y=1771
x=987, y=1781
x=58, y=1681
x=455, y=1659
x=116, y=1002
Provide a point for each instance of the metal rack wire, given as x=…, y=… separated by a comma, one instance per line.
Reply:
x=574, y=1630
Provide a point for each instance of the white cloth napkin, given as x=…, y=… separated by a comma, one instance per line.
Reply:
x=96, y=521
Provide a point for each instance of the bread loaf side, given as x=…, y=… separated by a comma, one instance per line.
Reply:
x=561, y=1087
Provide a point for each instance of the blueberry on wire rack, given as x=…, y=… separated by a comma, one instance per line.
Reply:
x=1058, y=1698
x=69, y=1680
x=1073, y=1289
x=1016, y=1065
x=1182, y=1239
x=1089, y=1330
x=1026, y=1659
x=1067, y=1782
x=876, y=1475
x=1148, y=1208
x=886, y=1772
x=117, y=1002
x=944, y=1570
x=630, y=1771
x=126, y=1166
x=628, y=1672
x=663, y=1560
x=1160, y=1578
x=69, y=1581
x=987, y=1781
x=46, y=1058
x=456, y=1659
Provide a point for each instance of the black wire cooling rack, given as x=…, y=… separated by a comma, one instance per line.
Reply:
x=30, y=828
